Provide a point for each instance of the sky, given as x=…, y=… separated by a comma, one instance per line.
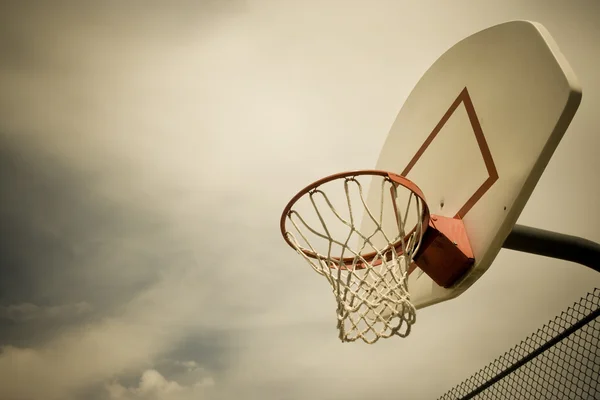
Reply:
x=147, y=150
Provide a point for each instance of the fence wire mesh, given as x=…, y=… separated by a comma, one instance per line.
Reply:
x=559, y=361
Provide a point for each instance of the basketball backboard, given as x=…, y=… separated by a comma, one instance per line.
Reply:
x=476, y=133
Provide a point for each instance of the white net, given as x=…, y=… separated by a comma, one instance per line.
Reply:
x=367, y=265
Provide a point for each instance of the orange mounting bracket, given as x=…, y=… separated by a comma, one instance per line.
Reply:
x=445, y=253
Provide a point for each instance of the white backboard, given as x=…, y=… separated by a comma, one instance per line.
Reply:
x=476, y=133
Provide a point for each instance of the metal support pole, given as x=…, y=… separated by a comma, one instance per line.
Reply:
x=555, y=245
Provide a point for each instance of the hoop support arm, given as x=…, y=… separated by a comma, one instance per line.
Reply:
x=555, y=245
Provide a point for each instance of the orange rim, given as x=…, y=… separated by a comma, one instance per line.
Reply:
x=349, y=261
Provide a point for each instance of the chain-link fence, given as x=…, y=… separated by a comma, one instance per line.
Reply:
x=559, y=361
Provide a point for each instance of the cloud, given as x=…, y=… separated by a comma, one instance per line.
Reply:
x=189, y=365
x=152, y=385
x=25, y=312
x=147, y=328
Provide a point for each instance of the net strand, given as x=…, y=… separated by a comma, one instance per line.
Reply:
x=373, y=300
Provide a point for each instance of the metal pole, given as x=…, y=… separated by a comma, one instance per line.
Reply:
x=555, y=245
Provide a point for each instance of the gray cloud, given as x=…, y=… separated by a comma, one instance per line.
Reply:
x=58, y=230
x=26, y=312
x=153, y=385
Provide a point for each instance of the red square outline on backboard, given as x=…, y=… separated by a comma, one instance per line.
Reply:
x=465, y=99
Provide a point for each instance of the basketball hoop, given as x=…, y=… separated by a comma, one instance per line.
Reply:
x=451, y=140
x=368, y=265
